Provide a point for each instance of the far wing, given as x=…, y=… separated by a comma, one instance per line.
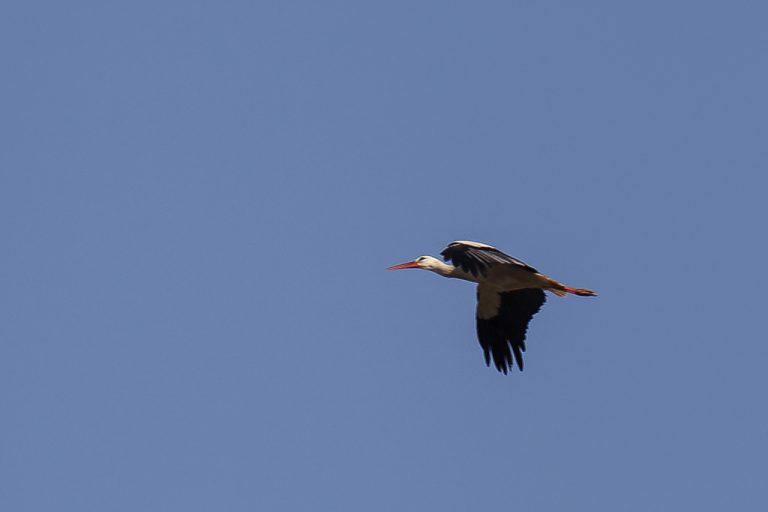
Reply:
x=502, y=322
x=477, y=258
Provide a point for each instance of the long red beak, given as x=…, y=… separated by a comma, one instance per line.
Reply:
x=410, y=264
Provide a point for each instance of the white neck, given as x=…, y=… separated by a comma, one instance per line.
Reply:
x=446, y=270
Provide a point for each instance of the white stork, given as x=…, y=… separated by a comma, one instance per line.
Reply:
x=509, y=293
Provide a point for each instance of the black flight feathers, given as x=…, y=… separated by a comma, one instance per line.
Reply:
x=477, y=260
x=503, y=335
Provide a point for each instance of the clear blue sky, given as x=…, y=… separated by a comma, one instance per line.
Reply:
x=198, y=199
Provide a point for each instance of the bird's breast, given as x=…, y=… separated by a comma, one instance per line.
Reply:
x=507, y=278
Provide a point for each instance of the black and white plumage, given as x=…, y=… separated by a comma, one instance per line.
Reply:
x=477, y=258
x=509, y=293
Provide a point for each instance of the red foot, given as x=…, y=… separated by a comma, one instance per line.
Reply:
x=583, y=292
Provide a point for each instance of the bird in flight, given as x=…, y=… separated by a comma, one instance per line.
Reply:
x=509, y=293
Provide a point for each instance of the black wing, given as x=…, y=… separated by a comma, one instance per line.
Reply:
x=503, y=334
x=477, y=258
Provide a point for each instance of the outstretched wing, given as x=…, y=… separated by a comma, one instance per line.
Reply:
x=477, y=258
x=502, y=321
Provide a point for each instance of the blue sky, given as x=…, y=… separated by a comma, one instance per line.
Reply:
x=198, y=200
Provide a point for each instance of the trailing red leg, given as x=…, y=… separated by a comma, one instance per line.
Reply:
x=583, y=292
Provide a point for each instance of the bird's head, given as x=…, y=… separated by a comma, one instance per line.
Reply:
x=423, y=262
